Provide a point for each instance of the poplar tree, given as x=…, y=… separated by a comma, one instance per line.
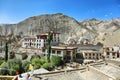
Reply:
x=49, y=46
x=6, y=52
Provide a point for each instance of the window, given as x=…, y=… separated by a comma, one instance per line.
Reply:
x=58, y=52
x=39, y=40
x=113, y=54
x=90, y=54
x=43, y=50
x=68, y=52
x=89, y=57
x=107, y=53
x=53, y=51
x=44, y=55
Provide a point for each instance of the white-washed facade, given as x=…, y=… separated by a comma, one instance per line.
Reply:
x=112, y=52
x=40, y=41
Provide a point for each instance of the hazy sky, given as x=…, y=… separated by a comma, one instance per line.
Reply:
x=12, y=11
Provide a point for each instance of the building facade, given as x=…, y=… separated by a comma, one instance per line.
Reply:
x=40, y=41
x=112, y=52
x=67, y=53
x=95, y=55
x=90, y=51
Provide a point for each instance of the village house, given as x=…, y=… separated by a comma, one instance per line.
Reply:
x=90, y=51
x=67, y=53
x=95, y=55
x=111, y=52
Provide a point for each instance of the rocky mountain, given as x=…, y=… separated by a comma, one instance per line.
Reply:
x=94, y=30
x=108, y=32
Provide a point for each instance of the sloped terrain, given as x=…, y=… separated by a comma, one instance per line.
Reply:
x=94, y=30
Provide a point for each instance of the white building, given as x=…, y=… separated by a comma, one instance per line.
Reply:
x=40, y=41
x=95, y=55
x=112, y=52
x=90, y=51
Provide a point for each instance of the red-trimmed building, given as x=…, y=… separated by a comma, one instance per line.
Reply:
x=40, y=40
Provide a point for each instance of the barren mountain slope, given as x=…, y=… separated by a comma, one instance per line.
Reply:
x=94, y=30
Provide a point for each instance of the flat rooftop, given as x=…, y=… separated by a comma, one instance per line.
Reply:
x=60, y=75
x=63, y=47
x=109, y=69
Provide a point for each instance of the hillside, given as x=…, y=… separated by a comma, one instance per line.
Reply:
x=92, y=29
x=108, y=32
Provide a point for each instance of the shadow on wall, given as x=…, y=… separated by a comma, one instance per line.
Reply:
x=80, y=60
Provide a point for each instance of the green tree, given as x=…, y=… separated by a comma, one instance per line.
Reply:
x=56, y=61
x=6, y=52
x=15, y=64
x=49, y=46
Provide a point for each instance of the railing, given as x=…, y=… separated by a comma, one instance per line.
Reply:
x=8, y=77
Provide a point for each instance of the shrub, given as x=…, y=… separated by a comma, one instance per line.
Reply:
x=35, y=56
x=56, y=61
x=42, y=61
x=46, y=65
x=15, y=64
x=25, y=65
x=4, y=71
x=16, y=67
x=11, y=67
x=12, y=72
x=3, y=65
x=1, y=61
x=36, y=62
